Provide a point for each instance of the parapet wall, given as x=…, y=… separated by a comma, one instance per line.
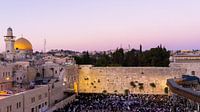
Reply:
x=119, y=79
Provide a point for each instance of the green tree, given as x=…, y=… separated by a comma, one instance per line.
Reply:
x=131, y=58
x=158, y=56
x=103, y=60
x=86, y=58
x=118, y=57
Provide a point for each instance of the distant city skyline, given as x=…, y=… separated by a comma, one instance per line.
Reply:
x=102, y=24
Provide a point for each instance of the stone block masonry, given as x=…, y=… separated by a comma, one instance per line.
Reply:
x=120, y=80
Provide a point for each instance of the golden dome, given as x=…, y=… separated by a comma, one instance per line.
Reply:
x=22, y=44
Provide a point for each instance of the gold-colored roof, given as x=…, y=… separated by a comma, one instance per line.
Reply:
x=22, y=44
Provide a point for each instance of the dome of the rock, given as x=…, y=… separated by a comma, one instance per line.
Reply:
x=23, y=44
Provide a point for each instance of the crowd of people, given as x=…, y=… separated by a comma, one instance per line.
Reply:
x=124, y=103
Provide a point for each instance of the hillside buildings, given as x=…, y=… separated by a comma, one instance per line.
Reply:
x=40, y=82
x=32, y=83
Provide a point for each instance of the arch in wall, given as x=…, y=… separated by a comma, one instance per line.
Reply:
x=193, y=72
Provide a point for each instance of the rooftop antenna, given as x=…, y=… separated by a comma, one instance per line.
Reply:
x=129, y=47
x=44, y=46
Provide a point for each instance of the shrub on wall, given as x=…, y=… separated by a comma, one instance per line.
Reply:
x=126, y=91
x=86, y=78
x=104, y=91
x=132, y=84
x=141, y=84
x=99, y=81
x=153, y=85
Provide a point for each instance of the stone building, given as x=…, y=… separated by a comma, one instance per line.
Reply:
x=34, y=100
x=6, y=79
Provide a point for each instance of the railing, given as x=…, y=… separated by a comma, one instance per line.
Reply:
x=62, y=103
x=185, y=92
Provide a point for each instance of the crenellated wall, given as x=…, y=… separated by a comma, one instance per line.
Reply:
x=119, y=79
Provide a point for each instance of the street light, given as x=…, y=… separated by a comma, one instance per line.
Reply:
x=7, y=78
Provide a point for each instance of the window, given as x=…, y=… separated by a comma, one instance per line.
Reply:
x=32, y=99
x=39, y=106
x=40, y=97
x=32, y=109
x=45, y=103
x=19, y=104
x=9, y=108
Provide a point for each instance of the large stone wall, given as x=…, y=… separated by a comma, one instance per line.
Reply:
x=118, y=79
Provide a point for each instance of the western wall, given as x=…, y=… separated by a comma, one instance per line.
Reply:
x=148, y=80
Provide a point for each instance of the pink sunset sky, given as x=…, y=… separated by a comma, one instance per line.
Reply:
x=103, y=24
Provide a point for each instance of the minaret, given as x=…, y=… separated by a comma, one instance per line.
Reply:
x=10, y=41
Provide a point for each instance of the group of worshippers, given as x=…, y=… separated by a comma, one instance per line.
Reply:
x=124, y=103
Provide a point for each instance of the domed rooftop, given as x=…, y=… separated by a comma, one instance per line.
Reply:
x=23, y=44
